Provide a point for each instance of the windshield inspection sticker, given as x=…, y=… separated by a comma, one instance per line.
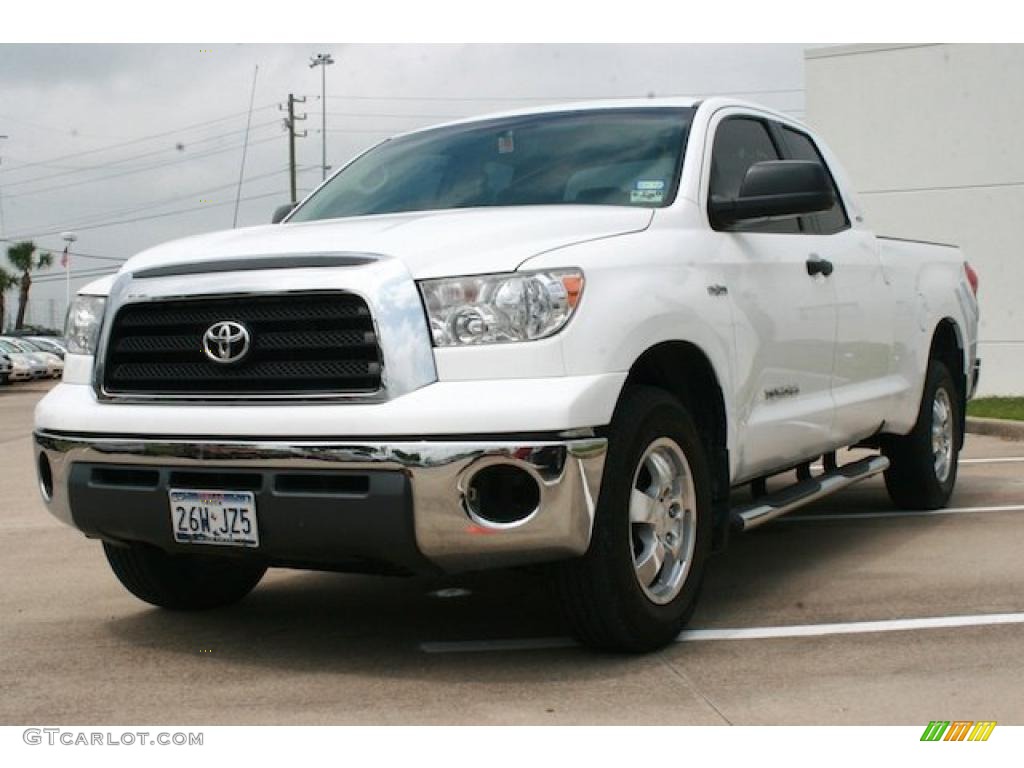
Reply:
x=506, y=143
x=648, y=191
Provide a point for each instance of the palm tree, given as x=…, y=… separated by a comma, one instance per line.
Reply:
x=7, y=281
x=24, y=259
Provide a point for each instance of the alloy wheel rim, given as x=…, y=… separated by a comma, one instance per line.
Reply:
x=942, y=435
x=663, y=520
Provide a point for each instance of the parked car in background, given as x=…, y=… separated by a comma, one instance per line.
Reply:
x=24, y=366
x=54, y=365
x=49, y=344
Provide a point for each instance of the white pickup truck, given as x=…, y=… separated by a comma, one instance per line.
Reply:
x=565, y=335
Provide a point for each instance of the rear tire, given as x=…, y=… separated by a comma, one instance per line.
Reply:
x=182, y=582
x=923, y=464
x=637, y=585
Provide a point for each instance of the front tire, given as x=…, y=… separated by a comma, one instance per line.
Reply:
x=923, y=464
x=638, y=583
x=182, y=582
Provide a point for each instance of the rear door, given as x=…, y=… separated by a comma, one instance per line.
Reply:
x=861, y=382
x=784, y=318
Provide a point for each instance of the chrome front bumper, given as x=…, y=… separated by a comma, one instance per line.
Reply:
x=567, y=471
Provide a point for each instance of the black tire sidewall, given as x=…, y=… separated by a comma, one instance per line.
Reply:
x=911, y=478
x=647, y=415
x=939, y=377
x=182, y=582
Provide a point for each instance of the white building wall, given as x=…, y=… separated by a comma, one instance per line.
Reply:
x=932, y=137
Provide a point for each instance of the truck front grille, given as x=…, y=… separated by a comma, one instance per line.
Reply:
x=297, y=344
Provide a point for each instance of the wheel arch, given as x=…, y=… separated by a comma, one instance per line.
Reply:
x=948, y=347
x=685, y=371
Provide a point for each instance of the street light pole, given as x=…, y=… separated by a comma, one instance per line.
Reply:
x=322, y=60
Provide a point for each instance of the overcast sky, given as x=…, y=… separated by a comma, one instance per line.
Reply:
x=111, y=133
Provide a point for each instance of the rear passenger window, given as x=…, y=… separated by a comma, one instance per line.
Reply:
x=801, y=147
x=739, y=143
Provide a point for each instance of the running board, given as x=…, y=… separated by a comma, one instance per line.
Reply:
x=765, y=508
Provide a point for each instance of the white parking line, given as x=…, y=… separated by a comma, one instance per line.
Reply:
x=898, y=513
x=852, y=627
x=743, y=633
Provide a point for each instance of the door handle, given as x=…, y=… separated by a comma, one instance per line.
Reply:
x=818, y=266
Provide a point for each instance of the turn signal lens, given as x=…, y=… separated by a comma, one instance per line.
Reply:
x=573, y=284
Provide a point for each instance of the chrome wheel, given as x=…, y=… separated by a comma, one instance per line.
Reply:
x=942, y=435
x=663, y=520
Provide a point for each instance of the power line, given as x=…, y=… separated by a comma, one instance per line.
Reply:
x=360, y=130
x=945, y=188
x=131, y=171
x=76, y=253
x=139, y=140
x=154, y=215
x=99, y=166
x=47, y=127
x=103, y=270
x=755, y=92
x=55, y=228
x=394, y=114
x=99, y=272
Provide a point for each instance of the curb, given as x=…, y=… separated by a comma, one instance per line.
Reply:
x=1004, y=428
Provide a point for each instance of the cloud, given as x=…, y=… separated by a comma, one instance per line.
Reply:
x=60, y=100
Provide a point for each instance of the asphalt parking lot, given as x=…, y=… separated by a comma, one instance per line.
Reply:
x=309, y=648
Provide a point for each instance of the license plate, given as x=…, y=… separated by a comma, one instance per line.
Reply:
x=227, y=518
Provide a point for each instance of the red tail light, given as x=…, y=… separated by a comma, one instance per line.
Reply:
x=972, y=277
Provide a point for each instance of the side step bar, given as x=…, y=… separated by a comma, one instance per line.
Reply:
x=765, y=508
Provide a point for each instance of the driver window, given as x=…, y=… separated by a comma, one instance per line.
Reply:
x=739, y=143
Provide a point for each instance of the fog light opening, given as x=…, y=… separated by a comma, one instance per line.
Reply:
x=45, y=477
x=501, y=495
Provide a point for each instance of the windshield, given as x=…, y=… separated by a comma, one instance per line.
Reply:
x=45, y=346
x=6, y=346
x=628, y=157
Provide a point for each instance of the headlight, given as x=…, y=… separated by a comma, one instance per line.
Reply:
x=492, y=309
x=83, y=326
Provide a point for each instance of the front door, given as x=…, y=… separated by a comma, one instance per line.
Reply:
x=784, y=317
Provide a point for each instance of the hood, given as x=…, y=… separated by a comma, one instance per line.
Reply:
x=431, y=243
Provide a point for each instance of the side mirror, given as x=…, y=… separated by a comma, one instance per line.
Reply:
x=776, y=189
x=281, y=211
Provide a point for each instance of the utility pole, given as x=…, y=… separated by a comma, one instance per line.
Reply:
x=289, y=123
x=322, y=60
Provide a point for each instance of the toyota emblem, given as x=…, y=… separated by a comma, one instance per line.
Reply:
x=226, y=342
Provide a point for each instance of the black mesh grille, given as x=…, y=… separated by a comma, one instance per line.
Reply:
x=299, y=344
